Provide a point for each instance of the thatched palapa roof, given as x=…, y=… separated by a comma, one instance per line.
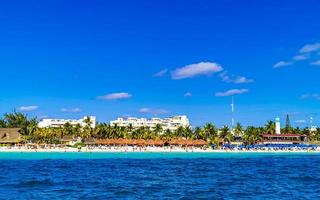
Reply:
x=10, y=135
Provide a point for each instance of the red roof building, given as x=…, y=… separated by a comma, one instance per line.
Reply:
x=283, y=138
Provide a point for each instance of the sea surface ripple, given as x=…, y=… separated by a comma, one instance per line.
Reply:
x=159, y=176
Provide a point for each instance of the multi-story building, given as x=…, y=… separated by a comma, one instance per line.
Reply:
x=54, y=123
x=171, y=123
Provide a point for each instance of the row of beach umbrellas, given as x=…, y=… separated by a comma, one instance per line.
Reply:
x=280, y=146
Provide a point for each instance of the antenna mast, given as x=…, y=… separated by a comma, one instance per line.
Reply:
x=232, y=111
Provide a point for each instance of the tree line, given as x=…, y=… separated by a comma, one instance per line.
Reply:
x=209, y=132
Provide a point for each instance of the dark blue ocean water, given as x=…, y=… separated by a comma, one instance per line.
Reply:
x=159, y=176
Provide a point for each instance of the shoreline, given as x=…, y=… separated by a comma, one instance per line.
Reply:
x=152, y=150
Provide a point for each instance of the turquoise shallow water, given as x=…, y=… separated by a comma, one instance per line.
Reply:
x=160, y=176
x=144, y=155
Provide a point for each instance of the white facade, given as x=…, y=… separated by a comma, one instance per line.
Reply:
x=54, y=123
x=171, y=123
x=278, y=126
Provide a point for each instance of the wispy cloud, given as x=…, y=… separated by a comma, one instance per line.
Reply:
x=234, y=79
x=198, y=69
x=305, y=53
x=301, y=57
x=43, y=117
x=317, y=63
x=28, y=108
x=70, y=110
x=188, y=94
x=242, y=79
x=126, y=115
x=115, y=96
x=311, y=96
x=231, y=92
x=308, y=48
x=153, y=111
x=282, y=64
x=301, y=121
x=160, y=73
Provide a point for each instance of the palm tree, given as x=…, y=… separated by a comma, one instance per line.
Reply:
x=158, y=129
x=15, y=119
x=167, y=136
x=114, y=131
x=297, y=130
x=88, y=121
x=197, y=133
x=238, y=130
x=130, y=128
x=179, y=133
x=251, y=135
x=316, y=136
x=187, y=133
x=86, y=132
x=225, y=134
x=270, y=127
x=3, y=123
x=77, y=129
x=209, y=133
x=31, y=126
x=20, y=120
x=67, y=129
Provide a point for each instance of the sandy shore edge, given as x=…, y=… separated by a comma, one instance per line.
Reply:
x=124, y=150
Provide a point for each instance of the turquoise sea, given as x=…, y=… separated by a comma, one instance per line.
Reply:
x=160, y=176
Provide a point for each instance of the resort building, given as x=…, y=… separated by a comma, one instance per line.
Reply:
x=171, y=123
x=280, y=138
x=55, y=123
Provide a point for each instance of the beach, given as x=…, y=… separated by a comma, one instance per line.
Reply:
x=128, y=149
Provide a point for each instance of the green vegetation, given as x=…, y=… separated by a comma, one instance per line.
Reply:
x=209, y=132
x=79, y=145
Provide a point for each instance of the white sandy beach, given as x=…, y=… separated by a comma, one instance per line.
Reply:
x=116, y=149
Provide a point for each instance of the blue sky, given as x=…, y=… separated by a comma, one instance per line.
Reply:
x=161, y=58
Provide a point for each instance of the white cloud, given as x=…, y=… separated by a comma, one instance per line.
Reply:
x=305, y=53
x=316, y=63
x=311, y=96
x=43, y=117
x=301, y=121
x=28, y=108
x=242, y=79
x=282, y=64
x=126, y=115
x=224, y=76
x=198, y=69
x=71, y=110
x=160, y=73
x=188, y=94
x=115, y=96
x=234, y=79
x=301, y=57
x=310, y=48
x=153, y=111
x=231, y=92
x=144, y=110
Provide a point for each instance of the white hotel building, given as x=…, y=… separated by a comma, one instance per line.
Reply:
x=171, y=123
x=54, y=123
